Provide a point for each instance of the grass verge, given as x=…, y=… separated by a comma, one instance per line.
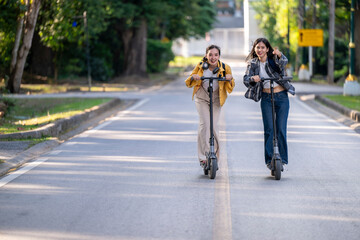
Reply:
x=28, y=114
x=185, y=61
x=351, y=102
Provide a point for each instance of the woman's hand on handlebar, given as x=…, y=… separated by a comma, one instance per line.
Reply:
x=256, y=78
x=195, y=77
x=228, y=77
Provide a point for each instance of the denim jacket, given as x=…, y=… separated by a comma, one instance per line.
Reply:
x=253, y=68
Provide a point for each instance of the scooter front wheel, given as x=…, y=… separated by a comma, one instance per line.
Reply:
x=213, y=168
x=277, y=171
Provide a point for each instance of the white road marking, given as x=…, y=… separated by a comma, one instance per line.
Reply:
x=28, y=166
x=21, y=171
x=222, y=223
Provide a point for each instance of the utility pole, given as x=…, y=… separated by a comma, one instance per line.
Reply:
x=87, y=50
x=351, y=86
x=352, y=76
x=288, y=31
x=330, y=70
x=303, y=73
x=312, y=52
x=86, y=29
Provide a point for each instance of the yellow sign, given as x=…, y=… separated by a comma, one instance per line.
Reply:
x=311, y=37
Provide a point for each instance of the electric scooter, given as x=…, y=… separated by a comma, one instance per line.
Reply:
x=276, y=166
x=211, y=164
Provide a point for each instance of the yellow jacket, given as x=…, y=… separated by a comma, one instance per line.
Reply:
x=224, y=86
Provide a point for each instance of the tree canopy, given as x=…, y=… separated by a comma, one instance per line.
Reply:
x=118, y=31
x=275, y=15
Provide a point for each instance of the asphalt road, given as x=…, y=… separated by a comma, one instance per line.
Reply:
x=136, y=176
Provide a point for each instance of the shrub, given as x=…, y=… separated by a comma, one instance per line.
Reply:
x=100, y=70
x=159, y=54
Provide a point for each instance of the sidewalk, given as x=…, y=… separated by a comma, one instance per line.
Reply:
x=15, y=153
x=311, y=94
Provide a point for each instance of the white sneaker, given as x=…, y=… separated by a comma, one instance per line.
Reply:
x=284, y=167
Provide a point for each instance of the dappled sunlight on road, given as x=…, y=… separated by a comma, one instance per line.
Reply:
x=289, y=216
x=20, y=234
x=151, y=136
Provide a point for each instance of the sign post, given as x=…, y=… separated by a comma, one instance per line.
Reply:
x=310, y=38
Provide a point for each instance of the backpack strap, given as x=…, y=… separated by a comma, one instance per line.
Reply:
x=223, y=66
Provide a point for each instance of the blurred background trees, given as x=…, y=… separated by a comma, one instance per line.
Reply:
x=127, y=37
x=134, y=37
x=279, y=17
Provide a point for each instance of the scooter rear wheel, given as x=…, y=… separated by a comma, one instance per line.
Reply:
x=277, y=171
x=213, y=168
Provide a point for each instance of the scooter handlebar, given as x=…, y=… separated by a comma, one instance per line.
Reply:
x=278, y=79
x=214, y=78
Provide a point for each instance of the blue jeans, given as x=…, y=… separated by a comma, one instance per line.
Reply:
x=281, y=112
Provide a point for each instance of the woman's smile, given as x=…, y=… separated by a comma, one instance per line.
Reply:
x=213, y=57
x=261, y=51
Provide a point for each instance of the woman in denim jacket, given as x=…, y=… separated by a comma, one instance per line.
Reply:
x=259, y=67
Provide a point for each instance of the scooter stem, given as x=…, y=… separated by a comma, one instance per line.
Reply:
x=211, y=140
x=275, y=142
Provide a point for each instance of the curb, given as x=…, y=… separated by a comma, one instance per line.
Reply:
x=353, y=114
x=62, y=125
x=24, y=157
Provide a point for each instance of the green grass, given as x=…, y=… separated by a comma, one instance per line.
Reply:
x=28, y=114
x=185, y=61
x=80, y=85
x=47, y=88
x=352, y=102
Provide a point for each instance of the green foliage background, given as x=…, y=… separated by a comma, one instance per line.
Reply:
x=273, y=20
x=107, y=21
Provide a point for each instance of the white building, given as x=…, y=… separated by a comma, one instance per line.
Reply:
x=233, y=33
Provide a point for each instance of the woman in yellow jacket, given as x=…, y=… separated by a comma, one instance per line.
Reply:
x=206, y=68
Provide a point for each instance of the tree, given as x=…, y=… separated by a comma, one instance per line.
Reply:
x=31, y=14
x=330, y=72
x=61, y=24
x=273, y=20
x=118, y=32
x=170, y=19
x=19, y=30
x=10, y=11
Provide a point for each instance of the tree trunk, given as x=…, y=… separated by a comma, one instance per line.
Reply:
x=40, y=64
x=357, y=38
x=299, y=50
x=330, y=69
x=127, y=36
x=15, y=50
x=135, y=50
x=314, y=25
x=30, y=23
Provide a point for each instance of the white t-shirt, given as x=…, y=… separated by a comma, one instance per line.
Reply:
x=263, y=74
x=205, y=83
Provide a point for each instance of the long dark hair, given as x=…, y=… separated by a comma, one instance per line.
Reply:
x=252, y=53
x=209, y=48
